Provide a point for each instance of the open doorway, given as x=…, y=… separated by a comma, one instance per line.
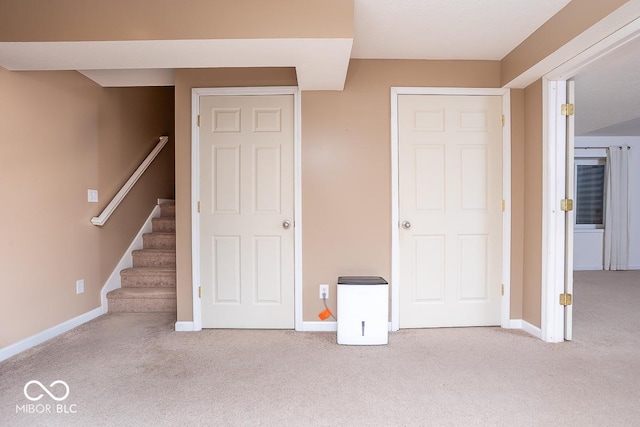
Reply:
x=607, y=113
x=607, y=219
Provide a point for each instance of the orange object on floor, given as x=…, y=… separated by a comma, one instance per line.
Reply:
x=324, y=315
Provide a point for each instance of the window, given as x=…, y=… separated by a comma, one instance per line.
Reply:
x=590, y=180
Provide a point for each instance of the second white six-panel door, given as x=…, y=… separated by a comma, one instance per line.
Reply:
x=450, y=180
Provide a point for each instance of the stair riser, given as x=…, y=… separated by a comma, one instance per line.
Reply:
x=148, y=281
x=142, y=305
x=159, y=241
x=163, y=225
x=168, y=210
x=154, y=259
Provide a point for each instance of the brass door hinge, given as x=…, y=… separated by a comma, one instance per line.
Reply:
x=502, y=289
x=198, y=206
x=198, y=120
x=199, y=291
x=503, y=205
x=566, y=299
x=567, y=109
x=503, y=120
x=566, y=205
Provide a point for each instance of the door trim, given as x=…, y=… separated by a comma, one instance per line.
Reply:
x=196, y=93
x=506, y=192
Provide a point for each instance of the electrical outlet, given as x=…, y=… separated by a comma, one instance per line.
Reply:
x=324, y=291
x=80, y=286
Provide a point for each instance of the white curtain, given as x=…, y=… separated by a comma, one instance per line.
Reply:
x=616, y=223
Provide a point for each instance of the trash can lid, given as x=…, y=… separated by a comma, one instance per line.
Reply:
x=361, y=280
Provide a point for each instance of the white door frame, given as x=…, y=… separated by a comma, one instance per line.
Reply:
x=553, y=219
x=554, y=173
x=196, y=93
x=506, y=192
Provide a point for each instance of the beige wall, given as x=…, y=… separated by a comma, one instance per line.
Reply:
x=346, y=167
x=61, y=135
x=572, y=20
x=82, y=20
x=532, y=250
x=517, y=201
x=346, y=175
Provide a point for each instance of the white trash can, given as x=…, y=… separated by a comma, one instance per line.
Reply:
x=363, y=310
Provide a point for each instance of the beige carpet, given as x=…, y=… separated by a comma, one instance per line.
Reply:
x=132, y=370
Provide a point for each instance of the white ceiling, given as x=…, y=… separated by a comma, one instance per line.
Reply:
x=446, y=29
x=608, y=91
x=608, y=94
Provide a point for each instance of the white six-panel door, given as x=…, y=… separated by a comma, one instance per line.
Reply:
x=246, y=211
x=450, y=180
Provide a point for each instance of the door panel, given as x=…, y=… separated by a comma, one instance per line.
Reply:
x=450, y=192
x=246, y=195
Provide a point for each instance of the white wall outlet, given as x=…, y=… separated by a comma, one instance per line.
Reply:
x=324, y=291
x=92, y=196
x=80, y=286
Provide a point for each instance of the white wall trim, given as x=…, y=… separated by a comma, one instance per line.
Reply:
x=618, y=38
x=184, y=327
x=585, y=47
x=114, y=281
x=515, y=324
x=533, y=330
x=47, y=334
x=506, y=191
x=553, y=222
x=330, y=326
x=195, y=221
x=506, y=215
x=196, y=93
x=525, y=326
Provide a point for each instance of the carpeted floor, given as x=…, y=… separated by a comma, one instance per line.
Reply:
x=134, y=370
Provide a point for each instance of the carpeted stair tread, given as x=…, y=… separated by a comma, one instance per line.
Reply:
x=139, y=293
x=148, y=270
x=159, y=240
x=148, y=277
x=164, y=224
x=160, y=258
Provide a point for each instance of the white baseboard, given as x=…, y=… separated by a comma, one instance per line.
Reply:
x=525, y=326
x=533, y=330
x=587, y=267
x=184, y=327
x=47, y=334
x=515, y=324
x=331, y=326
x=113, y=282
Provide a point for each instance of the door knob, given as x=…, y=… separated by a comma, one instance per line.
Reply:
x=286, y=224
x=406, y=225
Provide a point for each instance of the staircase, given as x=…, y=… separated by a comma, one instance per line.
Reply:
x=150, y=285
